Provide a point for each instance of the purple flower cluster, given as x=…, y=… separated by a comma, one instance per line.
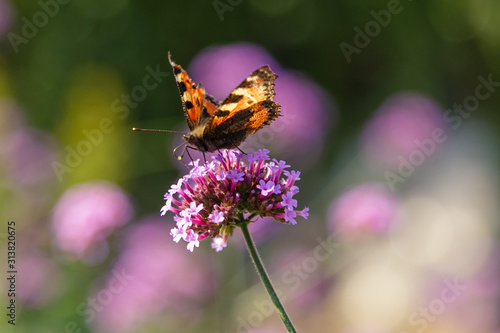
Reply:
x=220, y=195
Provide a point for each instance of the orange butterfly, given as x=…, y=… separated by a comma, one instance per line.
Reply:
x=214, y=125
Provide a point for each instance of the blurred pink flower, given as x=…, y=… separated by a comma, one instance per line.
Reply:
x=221, y=68
x=86, y=214
x=160, y=276
x=307, y=111
x=365, y=208
x=402, y=120
x=307, y=116
x=28, y=155
x=5, y=17
x=39, y=280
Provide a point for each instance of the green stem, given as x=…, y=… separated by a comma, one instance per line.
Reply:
x=265, y=279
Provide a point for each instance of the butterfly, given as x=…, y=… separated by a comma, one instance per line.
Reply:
x=215, y=125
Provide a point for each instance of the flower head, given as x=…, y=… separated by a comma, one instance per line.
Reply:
x=220, y=195
x=88, y=213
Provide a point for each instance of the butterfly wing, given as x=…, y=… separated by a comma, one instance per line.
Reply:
x=247, y=109
x=197, y=104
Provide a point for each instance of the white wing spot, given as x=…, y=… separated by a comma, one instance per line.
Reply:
x=240, y=91
x=228, y=107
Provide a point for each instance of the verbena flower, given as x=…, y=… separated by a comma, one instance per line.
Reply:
x=214, y=198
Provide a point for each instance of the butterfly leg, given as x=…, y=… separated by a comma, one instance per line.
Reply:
x=241, y=150
x=190, y=157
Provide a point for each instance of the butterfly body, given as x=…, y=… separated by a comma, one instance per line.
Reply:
x=215, y=125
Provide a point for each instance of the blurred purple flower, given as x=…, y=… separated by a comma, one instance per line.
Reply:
x=221, y=68
x=156, y=275
x=5, y=17
x=308, y=115
x=365, y=208
x=86, y=214
x=261, y=230
x=306, y=108
x=401, y=121
x=39, y=280
x=28, y=155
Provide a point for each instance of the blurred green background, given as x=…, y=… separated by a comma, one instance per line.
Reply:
x=66, y=65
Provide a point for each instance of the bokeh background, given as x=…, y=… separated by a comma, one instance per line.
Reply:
x=391, y=113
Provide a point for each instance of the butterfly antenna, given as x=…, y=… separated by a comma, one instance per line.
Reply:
x=154, y=130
